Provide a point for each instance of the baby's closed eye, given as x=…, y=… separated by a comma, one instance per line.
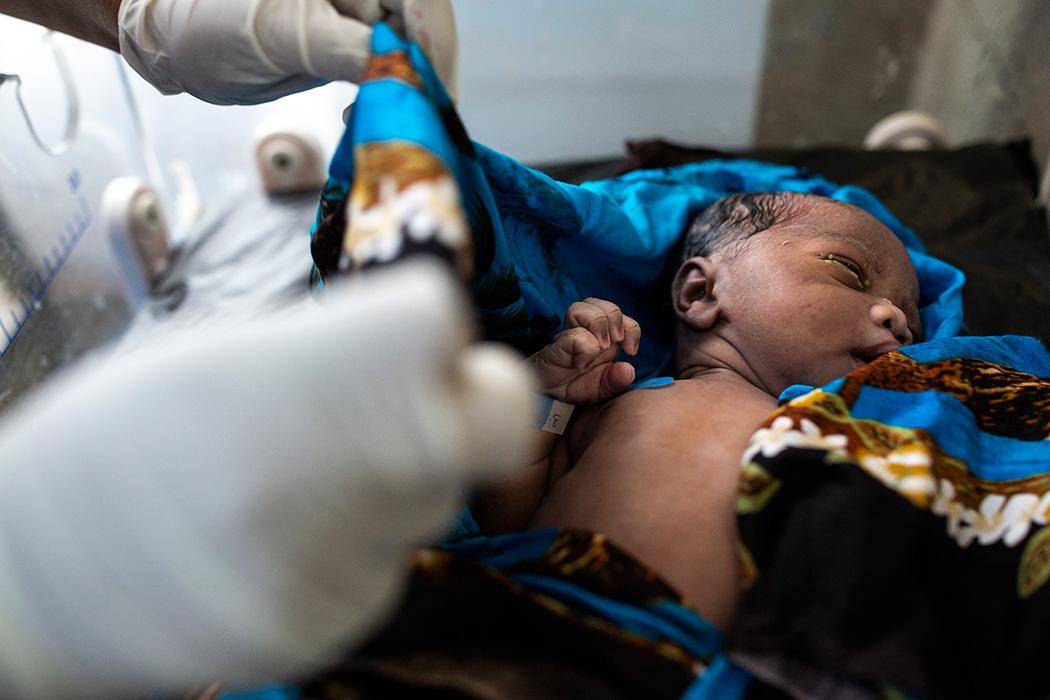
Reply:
x=862, y=280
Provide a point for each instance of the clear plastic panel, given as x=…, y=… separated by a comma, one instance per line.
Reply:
x=60, y=286
x=62, y=291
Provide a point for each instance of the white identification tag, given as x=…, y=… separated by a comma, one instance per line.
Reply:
x=557, y=416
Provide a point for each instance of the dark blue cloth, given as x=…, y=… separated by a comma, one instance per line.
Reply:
x=611, y=239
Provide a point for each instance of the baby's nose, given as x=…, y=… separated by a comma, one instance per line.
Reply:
x=888, y=315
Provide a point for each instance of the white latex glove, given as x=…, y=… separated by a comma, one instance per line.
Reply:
x=240, y=504
x=251, y=51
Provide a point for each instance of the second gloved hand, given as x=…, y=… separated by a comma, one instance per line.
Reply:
x=239, y=504
x=252, y=51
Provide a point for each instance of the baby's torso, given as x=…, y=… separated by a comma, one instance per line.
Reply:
x=656, y=470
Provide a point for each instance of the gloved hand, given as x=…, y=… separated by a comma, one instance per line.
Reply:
x=251, y=51
x=241, y=503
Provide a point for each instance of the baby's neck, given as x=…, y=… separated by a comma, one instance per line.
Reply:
x=716, y=360
x=718, y=374
x=702, y=372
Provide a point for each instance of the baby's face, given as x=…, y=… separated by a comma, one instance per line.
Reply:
x=821, y=295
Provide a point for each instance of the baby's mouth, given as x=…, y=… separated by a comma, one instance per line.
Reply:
x=869, y=354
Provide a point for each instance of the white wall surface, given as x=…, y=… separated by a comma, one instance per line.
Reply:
x=553, y=80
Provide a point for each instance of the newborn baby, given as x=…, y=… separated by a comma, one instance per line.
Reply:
x=774, y=289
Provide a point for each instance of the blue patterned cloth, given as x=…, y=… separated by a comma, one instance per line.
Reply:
x=895, y=526
x=545, y=244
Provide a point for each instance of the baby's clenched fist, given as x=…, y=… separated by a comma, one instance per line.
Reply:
x=579, y=366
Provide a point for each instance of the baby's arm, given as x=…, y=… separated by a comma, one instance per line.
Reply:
x=577, y=368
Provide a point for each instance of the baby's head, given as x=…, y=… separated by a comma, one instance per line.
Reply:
x=789, y=288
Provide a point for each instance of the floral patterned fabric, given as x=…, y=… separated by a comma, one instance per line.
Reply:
x=895, y=528
x=539, y=614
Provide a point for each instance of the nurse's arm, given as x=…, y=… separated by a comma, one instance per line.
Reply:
x=91, y=20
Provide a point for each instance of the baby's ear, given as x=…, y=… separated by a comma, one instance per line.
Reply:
x=693, y=293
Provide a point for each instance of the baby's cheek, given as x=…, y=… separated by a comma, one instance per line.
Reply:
x=820, y=332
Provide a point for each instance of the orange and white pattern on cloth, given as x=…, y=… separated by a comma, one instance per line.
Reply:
x=895, y=525
x=907, y=461
x=403, y=197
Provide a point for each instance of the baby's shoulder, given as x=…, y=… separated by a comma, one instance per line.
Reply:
x=711, y=416
x=683, y=403
x=724, y=391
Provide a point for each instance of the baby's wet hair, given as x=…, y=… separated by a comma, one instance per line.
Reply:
x=730, y=221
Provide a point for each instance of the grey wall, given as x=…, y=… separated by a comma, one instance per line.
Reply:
x=833, y=69
x=549, y=80
x=985, y=71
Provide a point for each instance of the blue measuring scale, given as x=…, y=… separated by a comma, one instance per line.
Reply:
x=66, y=132
x=16, y=312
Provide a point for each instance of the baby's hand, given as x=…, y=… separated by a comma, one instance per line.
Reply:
x=578, y=367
